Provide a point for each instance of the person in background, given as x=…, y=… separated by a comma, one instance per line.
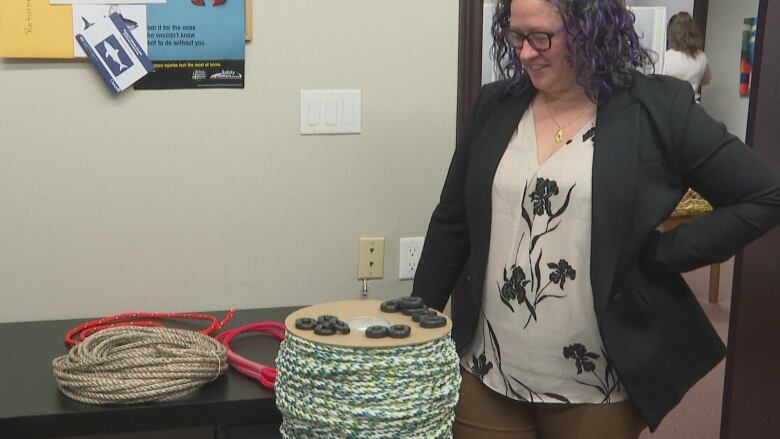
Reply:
x=685, y=57
x=573, y=321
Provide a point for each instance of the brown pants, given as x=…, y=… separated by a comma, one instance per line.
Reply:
x=484, y=414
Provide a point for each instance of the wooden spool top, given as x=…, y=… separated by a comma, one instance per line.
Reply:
x=350, y=310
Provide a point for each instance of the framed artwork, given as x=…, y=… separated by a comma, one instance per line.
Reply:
x=746, y=57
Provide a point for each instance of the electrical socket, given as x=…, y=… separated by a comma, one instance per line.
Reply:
x=371, y=258
x=410, y=250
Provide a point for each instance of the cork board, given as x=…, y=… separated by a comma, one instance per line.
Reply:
x=247, y=20
x=355, y=309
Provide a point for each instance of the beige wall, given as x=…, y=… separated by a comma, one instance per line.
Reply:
x=210, y=199
x=672, y=6
x=723, y=47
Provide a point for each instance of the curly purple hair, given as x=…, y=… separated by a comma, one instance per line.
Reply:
x=605, y=47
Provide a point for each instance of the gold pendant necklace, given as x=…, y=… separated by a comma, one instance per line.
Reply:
x=559, y=135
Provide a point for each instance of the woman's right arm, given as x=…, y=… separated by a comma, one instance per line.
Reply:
x=446, y=246
x=743, y=188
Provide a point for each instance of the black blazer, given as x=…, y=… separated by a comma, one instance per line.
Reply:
x=652, y=143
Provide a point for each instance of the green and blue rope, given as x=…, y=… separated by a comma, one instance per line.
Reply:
x=407, y=392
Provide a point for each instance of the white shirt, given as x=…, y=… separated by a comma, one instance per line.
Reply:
x=695, y=70
x=537, y=338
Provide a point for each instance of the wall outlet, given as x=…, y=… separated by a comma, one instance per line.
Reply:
x=371, y=258
x=410, y=256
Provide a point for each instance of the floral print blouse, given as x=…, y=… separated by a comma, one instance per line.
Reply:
x=537, y=338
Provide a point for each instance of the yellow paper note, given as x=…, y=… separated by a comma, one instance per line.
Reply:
x=35, y=29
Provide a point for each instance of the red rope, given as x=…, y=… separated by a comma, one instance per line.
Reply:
x=265, y=374
x=84, y=330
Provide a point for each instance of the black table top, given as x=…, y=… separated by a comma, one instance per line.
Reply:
x=31, y=406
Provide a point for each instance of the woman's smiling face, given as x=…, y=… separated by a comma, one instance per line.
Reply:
x=549, y=69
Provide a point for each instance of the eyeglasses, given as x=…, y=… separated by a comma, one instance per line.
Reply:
x=540, y=41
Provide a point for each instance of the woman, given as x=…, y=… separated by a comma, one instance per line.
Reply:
x=575, y=321
x=685, y=58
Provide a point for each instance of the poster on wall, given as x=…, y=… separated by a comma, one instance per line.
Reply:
x=746, y=57
x=194, y=44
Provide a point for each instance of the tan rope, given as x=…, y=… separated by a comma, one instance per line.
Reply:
x=128, y=365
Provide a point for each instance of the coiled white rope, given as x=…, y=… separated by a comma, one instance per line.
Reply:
x=135, y=364
x=406, y=392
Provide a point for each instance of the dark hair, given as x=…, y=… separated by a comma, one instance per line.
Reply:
x=602, y=40
x=683, y=34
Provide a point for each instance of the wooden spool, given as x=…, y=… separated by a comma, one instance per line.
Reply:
x=350, y=311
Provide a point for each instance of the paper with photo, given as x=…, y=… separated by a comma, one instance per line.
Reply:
x=114, y=52
x=134, y=17
x=35, y=29
x=102, y=2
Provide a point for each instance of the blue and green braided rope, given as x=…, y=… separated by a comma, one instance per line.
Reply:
x=334, y=392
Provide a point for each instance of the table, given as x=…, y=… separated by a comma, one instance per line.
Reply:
x=31, y=406
x=714, y=286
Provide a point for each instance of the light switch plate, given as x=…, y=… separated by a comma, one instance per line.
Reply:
x=330, y=111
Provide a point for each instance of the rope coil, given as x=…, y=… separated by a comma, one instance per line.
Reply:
x=403, y=392
x=263, y=373
x=135, y=364
x=84, y=330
